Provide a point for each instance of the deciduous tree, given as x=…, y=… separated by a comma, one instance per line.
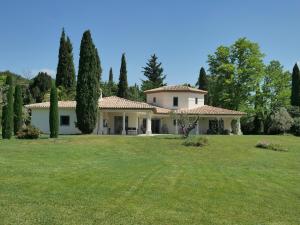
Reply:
x=8, y=110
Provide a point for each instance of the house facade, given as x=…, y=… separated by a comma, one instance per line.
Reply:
x=158, y=115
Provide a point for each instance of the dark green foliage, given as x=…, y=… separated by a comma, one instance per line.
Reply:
x=39, y=86
x=296, y=126
x=87, y=91
x=99, y=68
x=65, y=75
x=8, y=111
x=295, y=96
x=123, y=84
x=153, y=71
x=28, y=132
x=203, y=83
x=18, y=105
x=294, y=111
x=111, y=77
x=135, y=94
x=109, y=88
x=53, y=113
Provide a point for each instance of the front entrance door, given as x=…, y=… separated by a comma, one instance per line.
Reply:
x=119, y=124
x=155, y=125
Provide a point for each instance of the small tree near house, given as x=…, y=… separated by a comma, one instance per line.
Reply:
x=185, y=123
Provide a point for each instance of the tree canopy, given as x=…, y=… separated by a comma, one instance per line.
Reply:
x=123, y=84
x=65, y=75
x=295, y=96
x=88, y=89
x=153, y=71
x=235, y=74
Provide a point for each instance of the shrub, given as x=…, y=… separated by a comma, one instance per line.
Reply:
x=28, y=132
x=280, y=122
x=296, y=126
x=247, y=125
x=270, y=146
x=211, y=131
x=226, y=132
x=196, y=141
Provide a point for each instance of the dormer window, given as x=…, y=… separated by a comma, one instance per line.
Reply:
x=154, y=99
x=196, y=101
x=175, y=101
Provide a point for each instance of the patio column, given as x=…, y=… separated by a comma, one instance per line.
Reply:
x=197, y=127
x=100, y=123
x=239, y=126
x=148, y=128
x=124, y=128
x=176, y=126
x=137, y=123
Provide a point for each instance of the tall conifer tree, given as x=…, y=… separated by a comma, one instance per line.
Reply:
x=123, y=84
x=111, y=77
x=153, y=71
x=295, y=96
x=18, y=104
x=87, y=91
x=8, y=110
x=53, y=113
x=203, y=83
x=65, y=75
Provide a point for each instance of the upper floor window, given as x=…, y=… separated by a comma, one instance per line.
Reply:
x=196, y=101
x=154, y=99
x=64, y=120
x=175, y=101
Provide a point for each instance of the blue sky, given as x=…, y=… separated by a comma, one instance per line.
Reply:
x=181, y=33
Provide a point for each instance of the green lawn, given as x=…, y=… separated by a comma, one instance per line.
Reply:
x=149, y=180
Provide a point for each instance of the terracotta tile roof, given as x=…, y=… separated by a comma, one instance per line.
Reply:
x=112, y=102
x=175, y=88
x=160, y=110
x=210, y=110
x=61, y=104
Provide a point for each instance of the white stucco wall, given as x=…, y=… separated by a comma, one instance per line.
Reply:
x=40, y=119
x=185, y=99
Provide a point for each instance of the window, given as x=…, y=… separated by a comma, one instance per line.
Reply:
x=174, y=122
x=196, y=101
x=175, y=101
x=154, y=99
x=64, y=120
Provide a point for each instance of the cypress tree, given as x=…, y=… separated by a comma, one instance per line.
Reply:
x=203, y=83
x=99, y=69
x=110, y=77
x=8, y=111
x=153, y=71
x=65, y=75
x=295, y=96
x=70, y=81
x=18, y=104
x=53, y=113
x=87, y=90
x=123, y=84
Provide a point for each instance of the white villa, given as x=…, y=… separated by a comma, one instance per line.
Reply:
x=121, y=116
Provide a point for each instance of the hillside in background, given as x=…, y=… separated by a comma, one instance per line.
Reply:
x=17, y=78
